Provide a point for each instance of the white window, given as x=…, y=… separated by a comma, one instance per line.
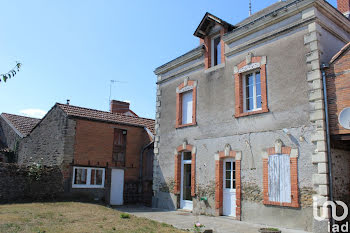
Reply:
x=187, y=107
x=279, y=178
x=88, y=177
x=252, y=91
x=216, y=51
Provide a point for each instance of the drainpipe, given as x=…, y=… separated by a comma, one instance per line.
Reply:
x=330, y=177
x=141, y=166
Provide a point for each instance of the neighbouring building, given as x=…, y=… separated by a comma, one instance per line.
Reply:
x=12, y=129
x=240, y=120
x=102, y=155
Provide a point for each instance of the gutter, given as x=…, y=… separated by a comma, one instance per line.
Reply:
x=329, y=155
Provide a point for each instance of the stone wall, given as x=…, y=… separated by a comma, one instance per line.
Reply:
x=45, y=144
x=8, y=136
x=18, y=185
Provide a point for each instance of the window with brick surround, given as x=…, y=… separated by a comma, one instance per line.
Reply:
x=250, y=86
x=88, y=177
x=119, y=146
x=280, y=178
x=186, y=104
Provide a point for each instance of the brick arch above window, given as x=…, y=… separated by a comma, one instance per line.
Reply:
x=177, y=176
x=185, y=87
x=250, y=65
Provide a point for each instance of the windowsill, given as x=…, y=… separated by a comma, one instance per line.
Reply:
x=251, y=113
x=186, y=125
x=87, y=187
x=217, y=67
x=284, y=204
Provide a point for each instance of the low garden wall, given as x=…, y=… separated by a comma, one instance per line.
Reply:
x=29, y=183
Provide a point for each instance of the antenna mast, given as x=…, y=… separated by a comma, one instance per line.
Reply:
x=110, y=89
x=250, y=7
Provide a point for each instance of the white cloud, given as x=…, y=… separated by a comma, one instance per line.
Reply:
x=32, y=112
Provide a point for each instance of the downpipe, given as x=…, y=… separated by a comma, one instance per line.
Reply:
x=329, y=155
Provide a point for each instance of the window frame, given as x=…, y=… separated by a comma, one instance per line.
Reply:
x=293, y=158
x=212, y=52
x=182, y=107
x=185, y=86
x=122, y=147
x=88, y=177
x=255, y=108
x=249, y=65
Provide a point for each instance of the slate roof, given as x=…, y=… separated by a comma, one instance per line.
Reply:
x=263, y=12
x=23, y=124
x=93, y=114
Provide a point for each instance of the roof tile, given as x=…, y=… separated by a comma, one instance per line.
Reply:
x=94, y=114
x=23, y=124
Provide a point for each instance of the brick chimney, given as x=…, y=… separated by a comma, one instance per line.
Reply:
x=344, y=7
x=119, y=106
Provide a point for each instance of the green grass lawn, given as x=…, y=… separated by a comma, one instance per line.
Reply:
x=72, y=217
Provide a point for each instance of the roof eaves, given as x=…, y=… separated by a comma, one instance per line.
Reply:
x=338, y=54
x=191, y=55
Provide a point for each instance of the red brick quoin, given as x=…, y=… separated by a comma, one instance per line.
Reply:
x=239, y=74
x=177, y=176
x=293, y=176
x=190, y=85
x=219, y=169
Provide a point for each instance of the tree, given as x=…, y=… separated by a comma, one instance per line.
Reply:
x=11, y=73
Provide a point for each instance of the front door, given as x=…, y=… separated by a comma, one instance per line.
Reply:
x=117, y=187
x=229, y=193
x=186, y=198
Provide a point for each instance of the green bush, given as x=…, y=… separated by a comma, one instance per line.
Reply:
x=124, y=215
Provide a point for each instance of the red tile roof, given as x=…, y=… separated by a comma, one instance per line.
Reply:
x=336, y=56
x=93, y=114
x=23, y=124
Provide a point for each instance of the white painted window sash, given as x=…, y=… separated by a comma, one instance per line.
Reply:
x=187, y=107
x=88, y=178
x=255, y=108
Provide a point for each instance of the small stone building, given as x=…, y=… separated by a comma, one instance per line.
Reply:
x=102, y=155
x=12, y=129
x=240, y=119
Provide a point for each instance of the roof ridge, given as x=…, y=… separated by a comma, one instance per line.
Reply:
x=21, y=116
x=105, y=111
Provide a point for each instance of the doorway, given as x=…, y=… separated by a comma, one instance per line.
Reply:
x=185, y=194
x=229, y=189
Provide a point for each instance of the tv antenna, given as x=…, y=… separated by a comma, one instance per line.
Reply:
x=250, y=7
x=110, y=89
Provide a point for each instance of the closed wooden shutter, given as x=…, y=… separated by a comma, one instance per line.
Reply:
x=279, y=178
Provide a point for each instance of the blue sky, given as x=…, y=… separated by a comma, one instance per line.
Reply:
x=72, y=49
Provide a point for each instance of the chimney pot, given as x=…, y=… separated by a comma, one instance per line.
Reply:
x=68, y=101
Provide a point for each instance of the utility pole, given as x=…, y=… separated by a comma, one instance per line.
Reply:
x=110, y=89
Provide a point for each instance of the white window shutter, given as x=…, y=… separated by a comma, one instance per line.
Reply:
x=285, y=185
x=279, y=178
x=187, y=103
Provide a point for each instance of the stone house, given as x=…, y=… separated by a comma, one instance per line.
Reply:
x=240, y=119
x=102, y=155
x=12, y=129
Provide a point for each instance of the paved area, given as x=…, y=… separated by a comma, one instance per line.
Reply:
x=185, y=220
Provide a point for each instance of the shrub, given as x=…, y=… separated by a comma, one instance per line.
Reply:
x=124, y=215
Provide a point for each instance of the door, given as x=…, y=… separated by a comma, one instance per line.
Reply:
x=186, y=198
x=229, y=190
x=117, y=187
